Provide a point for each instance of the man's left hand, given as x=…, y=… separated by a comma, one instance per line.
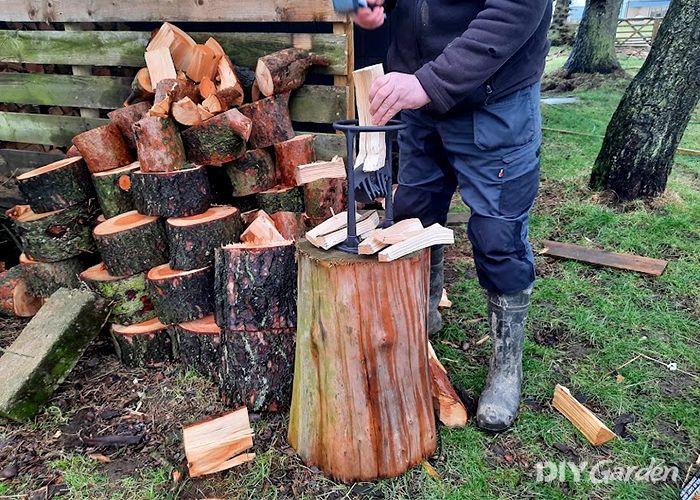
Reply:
x=394, y=92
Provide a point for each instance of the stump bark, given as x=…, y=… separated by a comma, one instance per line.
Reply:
x=113, y=188
x=44, y=278
x=57, y=185
x=257, y=368
x=131, y=243
x=255, y=287
x=324, y=198
x=252, y=172
x=292, y=153
x=217, y=140
x=361, y=320
x=192, y=240
x=125, y=118
x=103, y=148
x=271, y=121
x=129, y=300
x=143, y=344
x=54, y=236
x=15, y=299
x=199, y=343
x=171, y=194
x=291, y=225
x=281, y=199
x=285, y=70
x=180, y=296
x=159, y=145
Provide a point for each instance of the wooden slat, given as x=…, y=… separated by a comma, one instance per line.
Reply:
x=318, y=104
x=326, y=146
x=627, y=262
x=14, y=161
x=169, y=10
x=126, y=48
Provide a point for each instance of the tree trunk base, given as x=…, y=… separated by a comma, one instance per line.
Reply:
x=181, y=193
x=180, y=296
x=143, y=344
x=199, y=343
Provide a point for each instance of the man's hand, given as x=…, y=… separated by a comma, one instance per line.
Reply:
x=372, y=17
x=394, y=92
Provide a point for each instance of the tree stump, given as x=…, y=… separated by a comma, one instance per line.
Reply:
x=192, y=240
x=324, y=198
x=103, y=148
x=131, y=243
x=281, y=199
x=251, y=173
x=292, y=153
x=362, y=320
x=125, y=118
x=113, y=188
x=180, y=193
x=199, y=343
x=15, y=299
x=54, y=236
x=127, y=295
x=217, y=140
x=44, y=278
x=143, y=344
x=255, y=287
x=285, y=70
x=180, y=296
x=159, y=145
x=291, y=225
x=57, y=185
x=257, y=368
x=271, y=121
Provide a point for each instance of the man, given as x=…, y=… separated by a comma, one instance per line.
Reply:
x=465, y=75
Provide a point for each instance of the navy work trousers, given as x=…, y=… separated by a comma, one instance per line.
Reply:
x=492, y=155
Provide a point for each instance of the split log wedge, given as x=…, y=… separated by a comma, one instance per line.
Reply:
x=292, y=153
x=131, y=243
x=217, y=140
x=160, y=65
x=446, y=402
x=103, y=148
x=180, y=296
x=159, y=145
x=44, y=278
x=15, y=299
x=176, y=41
x=113, y=188
x=365, y=223
x=593, y=429
x=384, y=426
x=143, y=344
x=127, y=296
x=285, y=70
x=291, y=225
x=230, y=88
x=58, y=185
x=334, y=169
x=262, y=230
x=203, y=62
x=381, y=238
x=192, y=240
x=186, y=112
x=252, y=172
x=199, y=344
x=372, y=152
x=271, y=121
x=324, y=198
x=433, y=235
x=256, y=286
x=72, y=151
x=141, y=88
x=171, y=194
x=125, y=118
x=281, y=199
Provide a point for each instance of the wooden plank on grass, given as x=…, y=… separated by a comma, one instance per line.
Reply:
x=627, y=262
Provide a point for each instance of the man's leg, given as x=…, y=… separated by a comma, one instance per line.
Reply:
x=426, y=185
x=495, y=152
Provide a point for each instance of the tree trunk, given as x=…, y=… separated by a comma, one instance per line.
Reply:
x=44, y=278
x=291, y=225
x=180, y=193
x=199, y=344
x=361, y=320
x=562, y=32
x=292, y=153
x=271, y=121
x=180, y=296
x=285, y=70
x=103, y=148
x=252, y=172
x=159, y=145
x=594, y=47
x=219, y=139
x=57, y=185
x=281, y=199
x=637, y=154
x=324, y=198
x=125, y=118
x=143, y=344
x=113, y=188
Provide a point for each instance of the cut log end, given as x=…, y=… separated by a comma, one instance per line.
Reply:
x=123, y=222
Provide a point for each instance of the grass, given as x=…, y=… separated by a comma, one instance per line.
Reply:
x=585, y=322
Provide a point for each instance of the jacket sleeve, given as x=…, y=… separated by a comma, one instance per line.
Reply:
x=493, y=37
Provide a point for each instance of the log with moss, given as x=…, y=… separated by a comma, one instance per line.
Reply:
x=252, y=172
x=54, y=236
x=324, y=198
x=127, y=296
x=44, y=278
x=192, y=240
x=199, y=344
x=217, y=140
x=159, y=145
x=125, y=118
x=58, y=185
x=285, y=70
x=292, y=153
x=180, y=296
x=113, y=188
x=15, y=299
x=281, y=199
x=180, y=193
x=131, y=243
x=143, y=344
x=103, y=148
x=271, y=121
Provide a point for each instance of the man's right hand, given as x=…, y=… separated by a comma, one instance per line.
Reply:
x=372, y=17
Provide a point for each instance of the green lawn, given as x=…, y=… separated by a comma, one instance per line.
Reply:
x=585, y=322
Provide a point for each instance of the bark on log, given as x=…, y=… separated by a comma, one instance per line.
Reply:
x=381, y=428
x=281, y=199
x=324, y=198
x=257, y=368
x=180, y=193
x=131, y=243
x=143, y=344
x=176, y=88
x=54, y=236
x=127, y=296
x=44, y=278
x=159, y=145
x=141, y=88
x=192, y=240
x=180, y=296
x=199, y=343
x=271, y=121
x=292, y=153
x=103, y=148
x=291, y=225
x=251, y=173
x=125, y=118
x=285, y=70
x=113, y=188
x=57, y=185
x=15, y=299
x=217, y=140
x=255, y=287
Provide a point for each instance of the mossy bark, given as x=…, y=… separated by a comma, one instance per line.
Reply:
x=290, y=199
x=201, y=351
x=114, y=192
x=134, y=250
x=171, y=194
x=58, y=188
x=44, y=278
x=271, y=121
x=324, y=198
x=127, y=296
x=215, y=141
x=144, y=349
x=103, y=148
x=160, y=147
x=251, y=173
x=183, y=298
x=594, y=47
x=642, y=137
x=124, y=118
